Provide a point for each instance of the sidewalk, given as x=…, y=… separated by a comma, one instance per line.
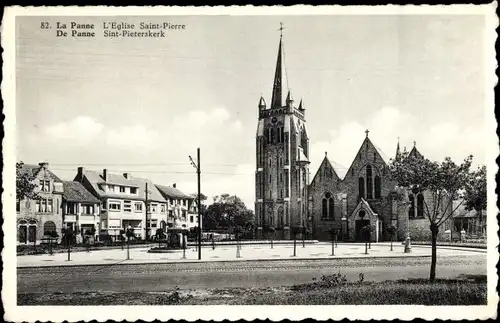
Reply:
x=229, y=253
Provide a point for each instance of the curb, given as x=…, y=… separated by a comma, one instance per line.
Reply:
x=291, y=258
x=459, y=248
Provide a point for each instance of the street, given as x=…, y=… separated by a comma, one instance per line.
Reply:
x=166, y=276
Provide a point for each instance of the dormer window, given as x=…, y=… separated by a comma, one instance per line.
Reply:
x=111, y=188
x=45, y=185
x=122, y=189
x=133, y=190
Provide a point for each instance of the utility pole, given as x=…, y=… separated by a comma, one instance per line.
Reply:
x=196, y=165
x=148, y=220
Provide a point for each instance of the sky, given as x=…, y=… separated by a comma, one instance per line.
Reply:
x=145, y=105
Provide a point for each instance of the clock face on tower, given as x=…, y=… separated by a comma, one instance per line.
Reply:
x=273, y=120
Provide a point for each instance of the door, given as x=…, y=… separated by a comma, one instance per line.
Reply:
x=23, y=233
x=360, y=224
x=32, y=233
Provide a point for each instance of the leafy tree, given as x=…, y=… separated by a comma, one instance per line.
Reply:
x=475, y=193
x=227, y=211
x=442, y=184
x=25, y=184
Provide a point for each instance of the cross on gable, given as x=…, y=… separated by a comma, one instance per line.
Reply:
x=367, y=131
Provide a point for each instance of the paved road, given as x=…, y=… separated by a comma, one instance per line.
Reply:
x=162, y=277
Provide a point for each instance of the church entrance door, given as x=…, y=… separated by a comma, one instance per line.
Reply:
x=360, y=224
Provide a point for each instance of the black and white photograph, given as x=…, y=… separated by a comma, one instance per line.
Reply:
x=180, y=163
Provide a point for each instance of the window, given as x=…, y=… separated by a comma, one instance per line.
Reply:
x=154, y=208
x=191, y=219
x=377, y=187
x=111, y=188
x=45, y=185
x=48, y=228
x=18, y=205
x=328, y=207
x=38, y=205
x=49, y=205
x=267, y=135
x=324, y=214
x=114, y=206
x=281, y=177
x=122, y=189
x=273, y=136
x=286, y=183
x=369, y=183
x=269, y=162
x=170, y=213
x=163, y=208
x=184, y=215
x=88, y=209
x=361, y=187
x=133, y=190
x=420, y=205
x=154, y=223
x=270, y=178
x=281, y=194
x=411, y=210
x=44, y=206
x=127, y=206
x=138, y=206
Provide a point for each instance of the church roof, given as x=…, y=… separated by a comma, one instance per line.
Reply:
x=415, y=153
x=327, y=163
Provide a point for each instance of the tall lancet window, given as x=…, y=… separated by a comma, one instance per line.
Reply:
x=361, y=187
x=273, y=136
x=266, y=133
x=324, y=214
x=369, y=182
x=377, y=187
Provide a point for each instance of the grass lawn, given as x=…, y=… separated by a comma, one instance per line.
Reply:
x=328, y=290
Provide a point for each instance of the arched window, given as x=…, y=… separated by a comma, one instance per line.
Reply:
x=278, y=134
x=325, y=209
x=411, y=210
x=420, y=206
x=282, y=135
x=361, y=187
x=273, y=136
x=369, y=182
x=48, y=227
x=331, y=208
x=377, y=187
x=266, y=133
x=287, y=220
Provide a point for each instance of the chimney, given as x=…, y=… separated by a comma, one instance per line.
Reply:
x=105, y=174
x=126, y=175
x=80, y=173
x=174, y=185
x=43, y=165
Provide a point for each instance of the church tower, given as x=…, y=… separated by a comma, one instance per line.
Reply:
x=282, y=159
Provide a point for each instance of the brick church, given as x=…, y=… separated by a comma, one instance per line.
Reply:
x=286, y=196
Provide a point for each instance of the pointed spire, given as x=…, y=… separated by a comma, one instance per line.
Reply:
x=262, y=103
x=289, y=99
x=300, y=105
x=279, y=76
x=398, y=152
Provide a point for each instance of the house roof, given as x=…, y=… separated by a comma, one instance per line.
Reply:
x=95, y=178
x=169, y=191
x=76, y=192
x=34, y=169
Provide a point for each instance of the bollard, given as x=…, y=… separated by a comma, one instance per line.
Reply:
x=128, y=248
x=69, y=252
x=294, y=246
x=333, y=246
x=238, y=255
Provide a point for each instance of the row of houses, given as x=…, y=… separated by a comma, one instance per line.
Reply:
x=100, y=204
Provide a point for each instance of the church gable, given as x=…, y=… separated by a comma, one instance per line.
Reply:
x=367, y=154
x=325, y=172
